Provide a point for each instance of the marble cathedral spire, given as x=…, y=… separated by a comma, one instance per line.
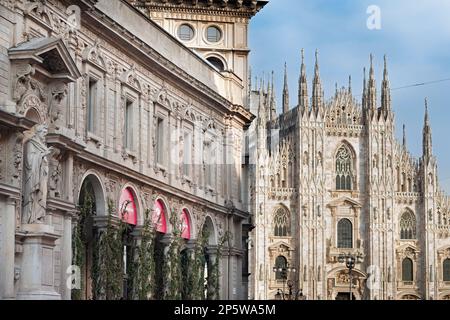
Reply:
x=385, y=91
x=317, y=92
x=371, y=95
x=350, y=84
x=303, y=87
x=273, y=100
x=404, y=136
x=285, y=91
x=364, y=97
x=427, y=140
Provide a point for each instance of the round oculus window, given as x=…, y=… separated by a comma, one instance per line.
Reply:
x=185, y=32
x=213, y=34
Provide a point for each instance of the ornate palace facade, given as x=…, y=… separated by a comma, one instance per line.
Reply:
x=97, y=99
x=331, y=179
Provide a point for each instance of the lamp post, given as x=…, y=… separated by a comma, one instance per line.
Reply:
x=284, y=276
x=350, y=261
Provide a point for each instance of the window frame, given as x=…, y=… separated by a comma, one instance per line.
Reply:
x=187, y=168
x=348, y=184
x=223, y=68
x=216, y=28
x=128, y=123
x=410, y=277
x=446, y=270
x=180, y=36
x=92, y=105
x=210, y=155
x=160, y=129
x=344, y=241
x=284, y=264
x=277, y=227
x=408, y=234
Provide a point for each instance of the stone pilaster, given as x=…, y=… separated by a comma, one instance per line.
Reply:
x=7, y=246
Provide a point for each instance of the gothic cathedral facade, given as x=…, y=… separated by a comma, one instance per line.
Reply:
x=330, y=180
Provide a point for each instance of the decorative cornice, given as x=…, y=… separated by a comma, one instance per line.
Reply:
x=236, y=8
x=17, y=123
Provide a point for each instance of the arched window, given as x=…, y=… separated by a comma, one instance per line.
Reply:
x=280, y=263
x=446, y=269
x=216, y=62
x=344, y=169
x=281, y=223
x=345, y=234
x=408, y=226
x=407, y=270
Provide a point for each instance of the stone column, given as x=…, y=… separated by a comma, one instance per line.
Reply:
x=7, y=247
x=37, y=275
x=66, y=256
x=212, y=253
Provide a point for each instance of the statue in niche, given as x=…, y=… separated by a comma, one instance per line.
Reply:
x=54, y=182
x=56, y=108
x=36, y=174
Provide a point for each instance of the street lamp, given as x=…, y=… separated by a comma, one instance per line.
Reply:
x=350, y=261
x=281, y=295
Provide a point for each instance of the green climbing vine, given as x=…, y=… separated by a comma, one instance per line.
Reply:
x=173, y=267
x=108, y=268
x=196, y=282
x=214, y=269
x=143, y=271
x=79, y=242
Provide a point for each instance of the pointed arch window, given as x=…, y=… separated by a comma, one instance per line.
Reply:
x=446, y=269
x=344, y=169
x=280, y=264
x=407, y=270
x=408, y=226
x=345, y=234
x=281, y=223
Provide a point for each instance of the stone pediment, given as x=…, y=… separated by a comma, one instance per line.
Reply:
x=49, y=56
x=407, y=250
x=344, y=201
x=281, y=246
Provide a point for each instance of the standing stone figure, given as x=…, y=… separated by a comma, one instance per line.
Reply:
x=36, y=171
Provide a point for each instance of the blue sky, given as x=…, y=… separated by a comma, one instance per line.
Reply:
x=414, y=34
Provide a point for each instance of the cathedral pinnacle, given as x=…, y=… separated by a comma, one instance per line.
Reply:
x=350, y=84
x=427, y=141
x=303, y=87
x=385, y=91
x=285, y=91
x=317, y=87
x=371, y=97
x=273, y=103
x=404, y=136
